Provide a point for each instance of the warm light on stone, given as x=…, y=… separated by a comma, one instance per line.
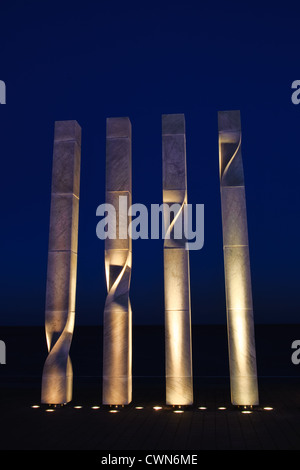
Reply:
x=57, y=380
x=240, y=326
x=178, y=342
x=117, y=322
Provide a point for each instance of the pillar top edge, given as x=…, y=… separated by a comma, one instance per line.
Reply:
x=173, y=124
x=229, y=121
x=117, y=127
x=66, y=131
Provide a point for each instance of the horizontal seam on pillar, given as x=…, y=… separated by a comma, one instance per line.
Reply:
x=177, y=310
x=118, y=191
x=175, y=248
x=232, y=131
x=63, y=251
x=117, y=249
x=65, y=194
x=233, y=186
x=230, y=246
x=68, y=140
x=174, y=189
x=239, y=308
x=163, y=135
x=118, y=138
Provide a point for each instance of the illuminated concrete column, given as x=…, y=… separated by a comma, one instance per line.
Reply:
x=57, y=380
x=178, y=343
x=240, y=325
x=117, y=322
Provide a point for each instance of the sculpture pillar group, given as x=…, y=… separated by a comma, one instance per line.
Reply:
x=178, y=340
x=57, y=377
x=117, y=322
x=240, y=325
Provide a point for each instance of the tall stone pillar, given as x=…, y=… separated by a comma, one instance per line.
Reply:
x=240, y=325
x=57, y=380
x=178, y=343
x=117, y=322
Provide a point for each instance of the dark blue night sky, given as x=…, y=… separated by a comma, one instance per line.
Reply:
x=89, y=60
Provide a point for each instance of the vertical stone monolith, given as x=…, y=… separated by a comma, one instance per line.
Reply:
x=57, y=379
x=117, y=322
x=178, y=337
x=240, y=324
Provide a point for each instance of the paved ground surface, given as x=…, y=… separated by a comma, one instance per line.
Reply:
x=132, y=429
x=147, y=429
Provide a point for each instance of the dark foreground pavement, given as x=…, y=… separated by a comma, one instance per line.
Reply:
x=84, y=424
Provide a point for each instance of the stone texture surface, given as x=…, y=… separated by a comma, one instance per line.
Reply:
x=234, y=216
x=174, y=162
x=240, y=323
x=67, y=130
x=177, y=290
x=178, y=341
x=118, y=127
x=122, y=221
x=118, y=164
x=66, y=167
x=173, y=124
x=238, y=277
x=57, y=377
x=64, y=215
x=117, y=321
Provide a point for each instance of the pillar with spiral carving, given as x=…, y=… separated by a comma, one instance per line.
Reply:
x=57, y=379
x=240, y=324
x=117, y=322
x=178, y=338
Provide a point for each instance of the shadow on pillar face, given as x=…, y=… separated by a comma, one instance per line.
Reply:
x=57, y=382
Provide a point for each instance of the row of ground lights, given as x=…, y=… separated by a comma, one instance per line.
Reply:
x=156, y=408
